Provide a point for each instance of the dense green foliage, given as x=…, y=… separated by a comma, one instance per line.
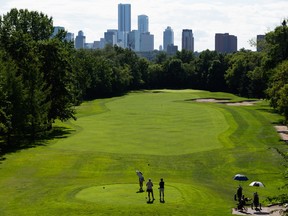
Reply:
x=36, y=78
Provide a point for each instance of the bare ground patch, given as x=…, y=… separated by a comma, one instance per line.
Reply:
x=282, y=130
x=274, y=210
x=226, y=101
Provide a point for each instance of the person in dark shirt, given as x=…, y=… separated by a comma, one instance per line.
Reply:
x=256, y=202
x=239, y=193
x=161, y=190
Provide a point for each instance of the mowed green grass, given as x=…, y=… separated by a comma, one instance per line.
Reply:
x=196, y=147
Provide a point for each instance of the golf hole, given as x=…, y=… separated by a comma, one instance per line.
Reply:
x=125, y=194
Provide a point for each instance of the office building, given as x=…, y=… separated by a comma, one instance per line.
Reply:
x=260, y=42
x=111, y=37
x=57, y=29
x=80, y=40
x=134, y=40
x=102, y=43
x=96, y=45
x=124, y=17
x=88, y=45
x=69, y=37
x=143, y=24
x=124, y=24
x=187, y=40
x=168, y=38
x=172, y=49
x=146, y=42
x=225, y=43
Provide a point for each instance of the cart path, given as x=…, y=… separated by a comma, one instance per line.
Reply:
x=272, y=210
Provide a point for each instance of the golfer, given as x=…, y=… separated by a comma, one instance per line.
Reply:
x=141, y=180
x=161, y=190
x=149, y=185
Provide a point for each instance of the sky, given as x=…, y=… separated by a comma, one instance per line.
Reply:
x=242, y=18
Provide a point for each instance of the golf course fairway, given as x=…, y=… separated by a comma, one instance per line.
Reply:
x=88, y=166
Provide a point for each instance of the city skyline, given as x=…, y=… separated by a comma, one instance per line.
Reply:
x=244, y=19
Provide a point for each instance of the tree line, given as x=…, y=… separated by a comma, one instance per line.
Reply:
x=43, y=78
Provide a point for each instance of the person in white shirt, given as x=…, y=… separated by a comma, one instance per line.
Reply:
x=149, y=185
x=141, y=180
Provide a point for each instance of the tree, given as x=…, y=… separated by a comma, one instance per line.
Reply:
x=43, y=68
x=155, y=76
x=215, y=76
x=174, y=74
x=161, y=57
x=12, y=98
x=16, y=23
x=204, y=69
x=245, y=74
x=278, y=89
x=56, y=64
x=185, y=56
x=276, y=45
x=143, y=66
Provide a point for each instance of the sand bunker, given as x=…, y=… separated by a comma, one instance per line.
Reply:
x=283, y=132
x=226, y=101
x=212, y=100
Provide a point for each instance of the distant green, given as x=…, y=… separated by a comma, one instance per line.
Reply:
x=196, y=147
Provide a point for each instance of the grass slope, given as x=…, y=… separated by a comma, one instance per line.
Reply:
x=196, y=147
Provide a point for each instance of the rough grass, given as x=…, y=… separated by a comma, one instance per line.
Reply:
x=196, y=147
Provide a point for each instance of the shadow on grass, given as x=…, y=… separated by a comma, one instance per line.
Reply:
x=18, y=143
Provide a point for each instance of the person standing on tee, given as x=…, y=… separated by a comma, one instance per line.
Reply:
x=141, y=180
x=149, y=185
x=161, y=190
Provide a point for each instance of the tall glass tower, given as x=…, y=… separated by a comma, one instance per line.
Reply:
x=124, y=17
x=143, y=24
x=187, y=40
x=168, y=38
x=80, y=40
x=124, y=24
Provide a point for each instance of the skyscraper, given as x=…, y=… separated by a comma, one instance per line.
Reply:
x=111, y=36
x=168, y=38
x=124, y=23
x=80, y=40
x=57, y=29
x=225, y=43
x=143, y=24
x=260, y=42
x=134, y=40
x=146, y=42
x=124, y=17
x=187, y=40
x=69, y=37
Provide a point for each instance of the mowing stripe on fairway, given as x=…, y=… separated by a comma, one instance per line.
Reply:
x=197, y=148
x=155, y=124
